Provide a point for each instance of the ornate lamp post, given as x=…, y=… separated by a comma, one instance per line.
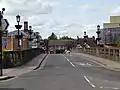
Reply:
x=37, y=37
x=30, y=33
x=85, y=38
x=18, y=27
x=98, y=35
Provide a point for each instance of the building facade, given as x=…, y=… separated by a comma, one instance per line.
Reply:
x=59, y=45
x=114, y=22
x=109, y=35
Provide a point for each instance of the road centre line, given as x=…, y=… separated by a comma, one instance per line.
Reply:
x=69, y=61
x=72, y=64
x=89, y=82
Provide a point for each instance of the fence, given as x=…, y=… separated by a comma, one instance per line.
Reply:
x=17, y=58
x=108, y=53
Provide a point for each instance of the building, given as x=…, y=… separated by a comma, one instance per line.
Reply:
x=90, y=42
x=109, y=35
x=114, y=22
x=111, y=31
x=12, y=40
x=59, y=44
x=24, y=41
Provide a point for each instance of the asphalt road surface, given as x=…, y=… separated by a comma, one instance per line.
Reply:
x=66, y=72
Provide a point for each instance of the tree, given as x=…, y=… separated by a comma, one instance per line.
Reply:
x=66, y=38
x=52, y=37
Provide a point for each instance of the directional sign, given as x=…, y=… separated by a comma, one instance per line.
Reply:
x=5, y=24
x=5, y=43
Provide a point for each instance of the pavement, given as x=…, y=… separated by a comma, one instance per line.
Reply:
x=12, y=72
x=109, y=64
x=66, y=72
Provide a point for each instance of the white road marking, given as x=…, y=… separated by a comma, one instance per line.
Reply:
x=115, y=88
x=109, y=87
x=83, y=64
x=69, y=61
x=72, y=64
x=89, y=82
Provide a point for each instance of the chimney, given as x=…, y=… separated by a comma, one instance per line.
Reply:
x=77, y=37
x=93, y=37
x=25, y=26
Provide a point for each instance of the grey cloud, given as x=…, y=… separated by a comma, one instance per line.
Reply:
x=31, y=10
x=28, y=8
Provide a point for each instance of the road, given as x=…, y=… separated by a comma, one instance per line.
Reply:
x=66, y=72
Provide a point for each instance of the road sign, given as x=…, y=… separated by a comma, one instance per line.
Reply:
x=5, y=43
x=5, y=24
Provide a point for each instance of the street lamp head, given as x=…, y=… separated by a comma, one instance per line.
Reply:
x=84, y=33
x=18, y=18
x=30, y=27
x=3, y=9
x=98, y=27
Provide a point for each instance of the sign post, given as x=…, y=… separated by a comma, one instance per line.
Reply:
x=3, y=26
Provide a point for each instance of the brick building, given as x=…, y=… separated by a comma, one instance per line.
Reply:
x=24, y=41
x=12, y=40
x=59, y=44
x=90, y=42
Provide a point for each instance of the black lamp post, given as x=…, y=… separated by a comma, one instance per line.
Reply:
x=30, y=33
x=18, y=27
x=85, y=38
x=37, y=37
x=46, y=41
x=98, y=34
x=1, y=63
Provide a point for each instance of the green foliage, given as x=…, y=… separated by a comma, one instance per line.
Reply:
x=52, y=37
x=66, y=38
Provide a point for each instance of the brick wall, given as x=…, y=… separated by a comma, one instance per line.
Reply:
x=25, y=44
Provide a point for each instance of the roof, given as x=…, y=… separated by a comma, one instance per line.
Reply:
x=59, y=42
x=90, y=42
x=13, y=33
x=25, y=34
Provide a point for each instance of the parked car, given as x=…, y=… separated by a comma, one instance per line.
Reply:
x=51, y=51
x=60, y=51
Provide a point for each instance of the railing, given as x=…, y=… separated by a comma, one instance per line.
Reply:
x=18, y=58
x=108, y=53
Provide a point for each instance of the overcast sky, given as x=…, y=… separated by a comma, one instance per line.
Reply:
x=63, y=17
